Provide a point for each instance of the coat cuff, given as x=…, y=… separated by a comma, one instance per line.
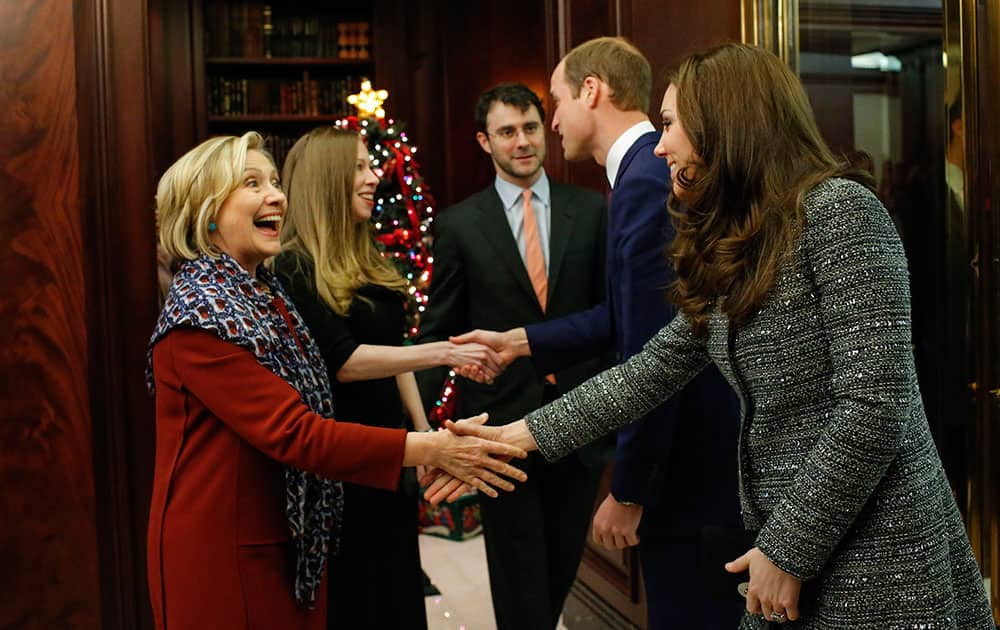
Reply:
x=629, y=484
x=791, y=550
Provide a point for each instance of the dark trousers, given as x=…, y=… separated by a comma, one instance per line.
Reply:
x=534, y=540
x=376, y=581
x=670, y=566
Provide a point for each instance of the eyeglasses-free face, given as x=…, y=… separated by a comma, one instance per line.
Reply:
x=249, y=220
x=674, y=145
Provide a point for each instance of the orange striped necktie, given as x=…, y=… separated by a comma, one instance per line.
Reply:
x=534, y=260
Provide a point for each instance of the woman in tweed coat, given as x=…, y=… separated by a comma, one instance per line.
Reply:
x=793, y=281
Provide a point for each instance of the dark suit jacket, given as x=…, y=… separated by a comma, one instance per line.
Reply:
x=480, y=281
x=689, y=442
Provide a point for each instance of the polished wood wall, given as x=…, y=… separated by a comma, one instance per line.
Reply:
x=47, y=539
x=79, y=301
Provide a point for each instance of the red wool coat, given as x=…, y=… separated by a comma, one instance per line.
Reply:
x=219, y=549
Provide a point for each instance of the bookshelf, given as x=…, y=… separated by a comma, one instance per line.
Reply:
x=280, y=68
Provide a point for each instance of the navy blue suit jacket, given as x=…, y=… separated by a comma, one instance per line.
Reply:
x=685, y=451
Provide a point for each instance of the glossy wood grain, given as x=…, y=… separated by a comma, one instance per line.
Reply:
x=47, y=533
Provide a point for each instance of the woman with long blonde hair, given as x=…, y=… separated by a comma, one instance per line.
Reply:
x=353, y=301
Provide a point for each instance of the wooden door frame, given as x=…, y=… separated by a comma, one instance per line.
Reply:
x=116, y=190
x=981, y=86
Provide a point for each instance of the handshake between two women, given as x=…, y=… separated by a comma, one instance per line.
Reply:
x=475, y=455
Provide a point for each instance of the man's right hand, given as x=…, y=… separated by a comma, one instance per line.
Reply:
x=476, y=361
x=509, y=345
x=616, y=525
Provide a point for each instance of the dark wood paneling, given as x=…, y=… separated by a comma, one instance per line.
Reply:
x=117, y=183
x=483, y=43
x=173, y=77
x=668, y=31
x=587, y=19
x=48, y=536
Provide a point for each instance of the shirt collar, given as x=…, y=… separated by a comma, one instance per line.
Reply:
x=621, y=146
x=511, y=193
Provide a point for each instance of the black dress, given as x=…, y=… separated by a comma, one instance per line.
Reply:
x=375, y=580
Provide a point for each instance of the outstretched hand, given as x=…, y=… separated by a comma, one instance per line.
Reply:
x=470, y=460
x=772, y=592
x=442, y=486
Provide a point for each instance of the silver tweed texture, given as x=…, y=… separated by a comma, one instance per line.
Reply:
x=838, y=469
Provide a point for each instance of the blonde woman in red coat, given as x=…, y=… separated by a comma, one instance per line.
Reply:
x=244, y=512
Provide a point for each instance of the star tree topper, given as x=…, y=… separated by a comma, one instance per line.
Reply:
x=369, y=101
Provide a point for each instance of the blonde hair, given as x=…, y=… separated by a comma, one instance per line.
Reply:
x=191, y=191
x=320, y=228
x=758, y=152
x=617, y=62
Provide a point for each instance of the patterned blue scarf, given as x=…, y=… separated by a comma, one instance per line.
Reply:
x=218, y=295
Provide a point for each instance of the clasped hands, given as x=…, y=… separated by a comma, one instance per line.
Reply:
x=490, y=352
x=501, y=444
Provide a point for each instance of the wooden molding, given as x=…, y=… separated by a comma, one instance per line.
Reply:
x=116, y=192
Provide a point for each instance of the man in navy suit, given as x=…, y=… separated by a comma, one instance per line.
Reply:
x=676, y=470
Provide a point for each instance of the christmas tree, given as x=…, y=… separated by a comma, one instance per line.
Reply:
x=404, y=210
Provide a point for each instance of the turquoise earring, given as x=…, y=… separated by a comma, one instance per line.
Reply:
x=211, y=226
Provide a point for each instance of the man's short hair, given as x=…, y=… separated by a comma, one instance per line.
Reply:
x=513, y=94
x=617, y=62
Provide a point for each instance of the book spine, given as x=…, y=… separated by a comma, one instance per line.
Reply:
x=267, y=29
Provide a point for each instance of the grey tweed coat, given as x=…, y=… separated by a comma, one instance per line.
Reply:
x=838, y=470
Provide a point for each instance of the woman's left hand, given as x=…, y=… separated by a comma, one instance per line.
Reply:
x=772, y=592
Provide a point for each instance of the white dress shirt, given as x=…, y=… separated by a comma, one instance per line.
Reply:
x=621, y=147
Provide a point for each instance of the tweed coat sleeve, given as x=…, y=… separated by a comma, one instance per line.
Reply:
x=861, y=282
x=621, y=394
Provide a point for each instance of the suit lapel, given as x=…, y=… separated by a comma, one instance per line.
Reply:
x=645, y=142
x=562, y=215
x=496, y=229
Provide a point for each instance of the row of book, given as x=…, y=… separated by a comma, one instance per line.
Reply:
x=252, y=29
x=304, y=96
x=279, y=146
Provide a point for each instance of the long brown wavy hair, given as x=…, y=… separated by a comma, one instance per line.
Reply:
x=758, y=152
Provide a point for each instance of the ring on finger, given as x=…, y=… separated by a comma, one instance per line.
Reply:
x=777, y=616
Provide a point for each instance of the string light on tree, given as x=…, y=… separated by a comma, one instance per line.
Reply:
x=403, y=208
x=404, y=211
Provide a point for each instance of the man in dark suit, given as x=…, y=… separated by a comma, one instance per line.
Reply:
x=523, y=251
x=675, y=470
